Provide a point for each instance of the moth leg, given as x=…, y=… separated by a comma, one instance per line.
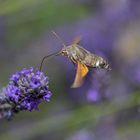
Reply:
x=73, y=60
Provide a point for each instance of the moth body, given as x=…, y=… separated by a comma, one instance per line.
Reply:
x=76, y=53
x=81, y=57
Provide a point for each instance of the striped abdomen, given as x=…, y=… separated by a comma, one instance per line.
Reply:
x=92, y=60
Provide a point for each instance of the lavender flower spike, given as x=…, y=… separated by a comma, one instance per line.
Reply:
x=27, y=89
x=5, y=107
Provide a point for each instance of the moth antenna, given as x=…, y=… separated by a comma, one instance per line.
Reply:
x=45, y=57
x=58, y=37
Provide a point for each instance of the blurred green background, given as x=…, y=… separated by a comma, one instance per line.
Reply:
x=25, y=38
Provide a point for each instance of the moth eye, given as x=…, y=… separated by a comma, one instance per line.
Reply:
x=64, y=52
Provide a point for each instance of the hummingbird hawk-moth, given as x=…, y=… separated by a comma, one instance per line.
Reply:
x=82, y=58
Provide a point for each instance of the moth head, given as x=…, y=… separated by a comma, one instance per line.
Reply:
x=64, y=52
x=69, y=50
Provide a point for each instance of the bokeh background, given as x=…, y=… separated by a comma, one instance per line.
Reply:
x=107, y=106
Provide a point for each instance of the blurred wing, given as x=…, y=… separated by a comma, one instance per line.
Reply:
x=82, y=71
x=76, y=40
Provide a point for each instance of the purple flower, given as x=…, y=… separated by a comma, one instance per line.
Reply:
x=99, y=88
x=93, y=95
x=5, y=107
x=82, y=135
x=27, y=89
x=131, y=72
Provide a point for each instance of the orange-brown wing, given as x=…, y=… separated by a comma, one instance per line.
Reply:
x=82, y=71
x=76, y=40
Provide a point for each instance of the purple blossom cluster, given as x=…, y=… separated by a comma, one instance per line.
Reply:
x=26, y=90
x=99, y=87
x=5, y=106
